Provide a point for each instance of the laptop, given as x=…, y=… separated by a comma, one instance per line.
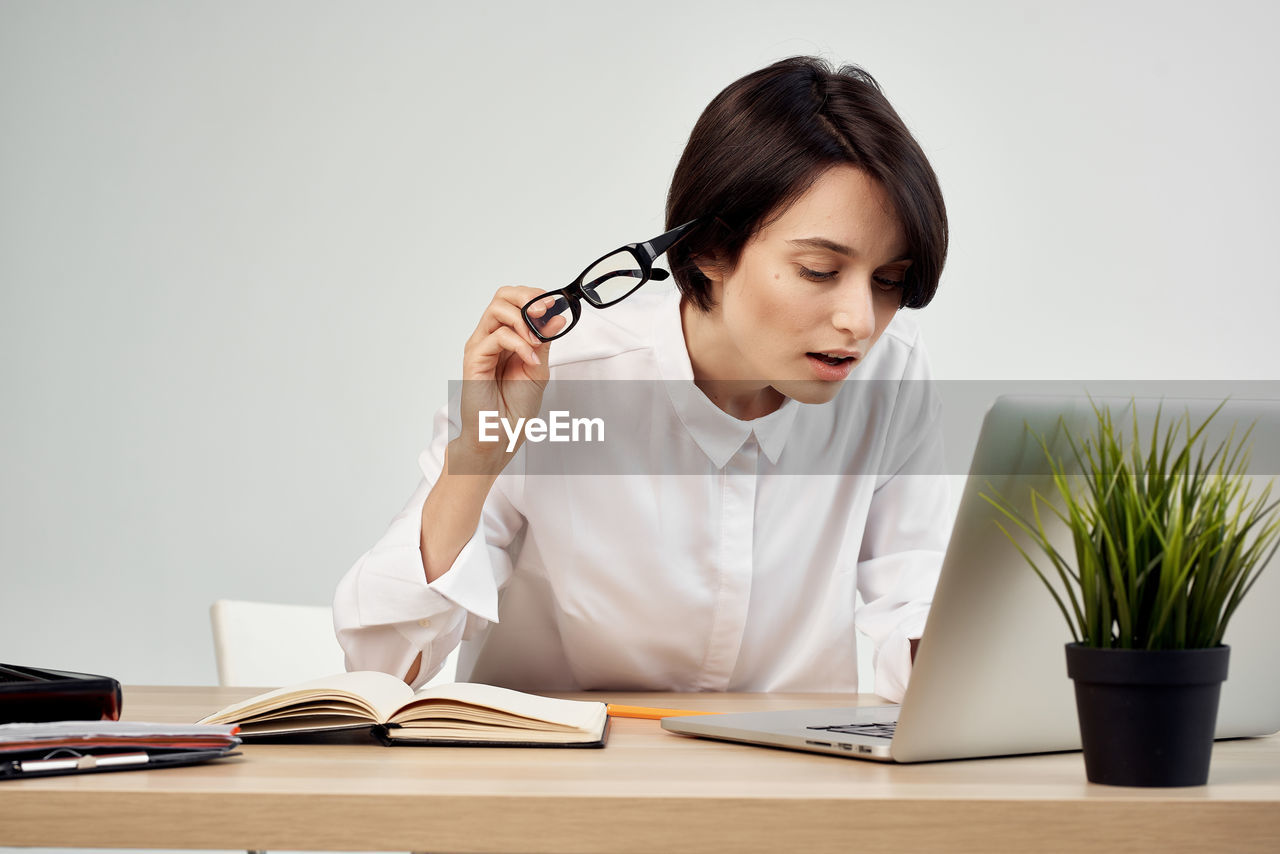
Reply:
x=990, y=673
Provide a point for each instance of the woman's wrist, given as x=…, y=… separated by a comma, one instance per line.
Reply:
x=453, y=508
x=485, y=461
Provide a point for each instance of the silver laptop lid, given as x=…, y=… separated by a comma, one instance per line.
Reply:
x=990, y=675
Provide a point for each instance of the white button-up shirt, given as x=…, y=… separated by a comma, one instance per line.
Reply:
x=724, y=555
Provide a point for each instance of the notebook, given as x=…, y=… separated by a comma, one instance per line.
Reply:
x=459, y=714
x=78, y=747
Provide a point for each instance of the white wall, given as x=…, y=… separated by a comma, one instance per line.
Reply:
x=241, y=245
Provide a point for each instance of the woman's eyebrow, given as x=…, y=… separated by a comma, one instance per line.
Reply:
x=824, y=243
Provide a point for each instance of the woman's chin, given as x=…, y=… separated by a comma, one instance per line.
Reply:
x=809, y=391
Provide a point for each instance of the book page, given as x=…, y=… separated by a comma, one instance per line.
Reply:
x=373, y=695
x=513, y=736
x=454, y=700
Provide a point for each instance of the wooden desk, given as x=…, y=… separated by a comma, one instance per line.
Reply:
x=648, y=791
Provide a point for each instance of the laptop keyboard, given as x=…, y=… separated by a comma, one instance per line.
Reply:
x=880, y=730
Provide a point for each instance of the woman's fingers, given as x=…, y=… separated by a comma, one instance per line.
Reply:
x=491, y=377
x=505, y=314
x=517, y=295
x=553, y=326
x=484, y=354
x=540, y=307
x=505, y=310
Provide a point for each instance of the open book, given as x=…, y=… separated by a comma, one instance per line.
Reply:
x=462, y=713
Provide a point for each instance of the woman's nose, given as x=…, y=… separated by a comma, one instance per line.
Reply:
x=856, y=313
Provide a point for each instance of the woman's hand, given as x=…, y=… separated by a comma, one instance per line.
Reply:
x=504, y=370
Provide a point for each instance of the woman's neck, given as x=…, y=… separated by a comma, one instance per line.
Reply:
x=718, y=366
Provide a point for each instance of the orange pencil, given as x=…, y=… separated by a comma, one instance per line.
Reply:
x=647, y=713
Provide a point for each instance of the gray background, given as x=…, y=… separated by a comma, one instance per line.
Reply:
x=241, y=245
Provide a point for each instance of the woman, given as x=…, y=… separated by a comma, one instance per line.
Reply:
x=815, y=218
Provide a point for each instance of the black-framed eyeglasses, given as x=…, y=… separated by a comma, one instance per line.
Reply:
x=607, y=281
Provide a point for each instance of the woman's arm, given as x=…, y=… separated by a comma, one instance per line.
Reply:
x=907, y=528
x=449, y=519
x=504, y=370
x=387, y=615
x=452, y=512
x=410, y=598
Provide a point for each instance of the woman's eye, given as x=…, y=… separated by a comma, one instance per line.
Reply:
x=883, y=282
x=816, y=276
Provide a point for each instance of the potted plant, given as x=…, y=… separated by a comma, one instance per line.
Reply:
x=1168, y=540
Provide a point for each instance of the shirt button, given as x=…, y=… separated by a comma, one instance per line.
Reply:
x=426, y=624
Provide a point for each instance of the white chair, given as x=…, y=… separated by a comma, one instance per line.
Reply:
x=264, y=644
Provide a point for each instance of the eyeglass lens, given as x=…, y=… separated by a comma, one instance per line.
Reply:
x=555, y=319
x=612, y=278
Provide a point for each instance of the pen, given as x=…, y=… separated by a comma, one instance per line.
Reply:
x=83, y=763
x=647, y=713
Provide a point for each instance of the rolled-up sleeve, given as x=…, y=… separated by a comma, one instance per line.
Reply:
x=384, y=610
x=907, y=528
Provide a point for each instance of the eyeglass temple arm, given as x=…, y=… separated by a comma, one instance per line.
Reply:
x=656, y=274
x=654, y=248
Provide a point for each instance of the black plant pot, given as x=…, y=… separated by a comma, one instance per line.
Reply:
x=1147, y=716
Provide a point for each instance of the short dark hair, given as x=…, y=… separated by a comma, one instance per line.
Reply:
x=763, y=141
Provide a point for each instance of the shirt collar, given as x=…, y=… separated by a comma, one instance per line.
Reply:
x=717, y=433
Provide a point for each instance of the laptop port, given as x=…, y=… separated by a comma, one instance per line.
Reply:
x=844, y=746
x=818, y=743
x=862, y=748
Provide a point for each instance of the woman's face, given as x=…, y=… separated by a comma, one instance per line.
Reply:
x=813, y=290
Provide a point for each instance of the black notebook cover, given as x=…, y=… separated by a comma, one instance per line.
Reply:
x=12, y=765
x=35, y=694
x=383, y=735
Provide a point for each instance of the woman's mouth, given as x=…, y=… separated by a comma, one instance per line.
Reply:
x=831, y=366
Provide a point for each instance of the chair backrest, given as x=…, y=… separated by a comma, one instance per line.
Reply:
x=264, y=644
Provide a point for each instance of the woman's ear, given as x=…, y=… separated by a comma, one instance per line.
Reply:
x=710, y=266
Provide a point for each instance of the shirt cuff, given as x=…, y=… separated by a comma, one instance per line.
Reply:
x=893, y=659
x=469, y=582
x=394, y=589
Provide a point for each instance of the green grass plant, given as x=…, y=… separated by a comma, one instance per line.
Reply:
x=1168, y=540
